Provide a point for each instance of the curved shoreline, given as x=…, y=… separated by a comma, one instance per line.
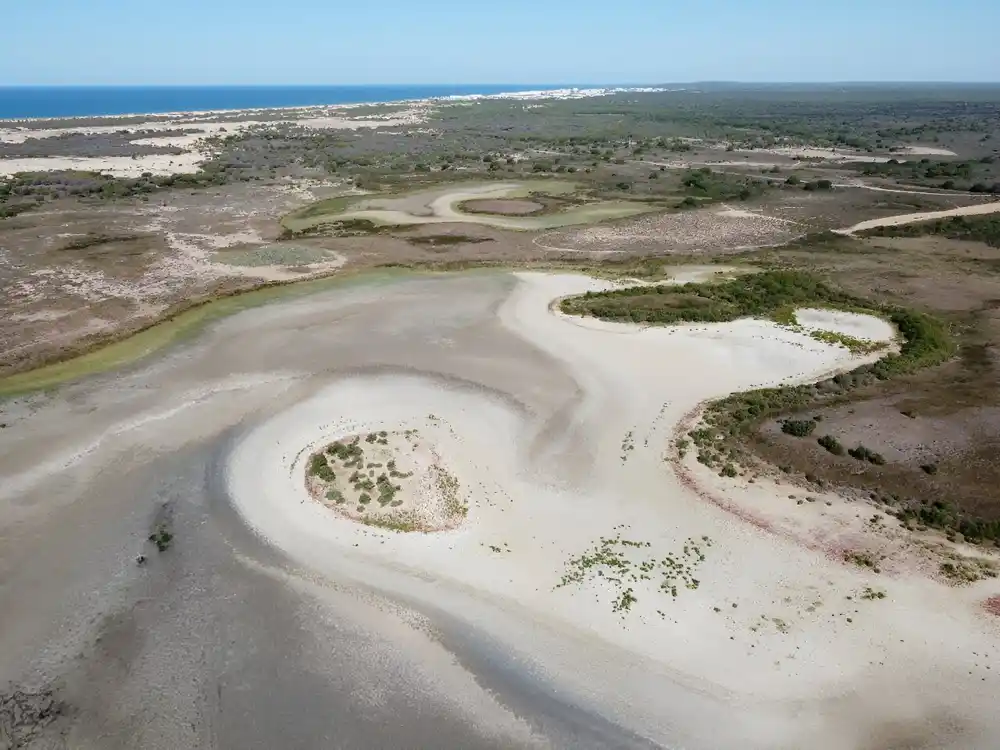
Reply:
x=128, y=347
x=557, y=427
x=526, y=490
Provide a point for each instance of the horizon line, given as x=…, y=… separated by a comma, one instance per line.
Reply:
x=601, y=84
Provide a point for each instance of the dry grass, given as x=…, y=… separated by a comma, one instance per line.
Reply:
x=708, y=231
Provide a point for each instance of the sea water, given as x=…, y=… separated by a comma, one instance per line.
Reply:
x=28, y=102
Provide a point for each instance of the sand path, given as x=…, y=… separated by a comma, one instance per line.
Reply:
x=895, y=221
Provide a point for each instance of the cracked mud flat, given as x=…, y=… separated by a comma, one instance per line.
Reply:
x=270, y=620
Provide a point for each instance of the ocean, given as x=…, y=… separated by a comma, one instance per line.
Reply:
x=27, y=102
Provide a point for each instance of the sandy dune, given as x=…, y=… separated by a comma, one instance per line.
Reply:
x=196, y=149
x=119, y=166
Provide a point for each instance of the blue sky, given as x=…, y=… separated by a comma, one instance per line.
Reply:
x=509, y=41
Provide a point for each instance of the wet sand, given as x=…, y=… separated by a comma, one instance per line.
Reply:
x=270, y=621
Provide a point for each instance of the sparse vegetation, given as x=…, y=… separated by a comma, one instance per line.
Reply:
x=621, y=562
x=971, y=228
x=962, y=570
x=855, y=345
x=863, y=559
x=870, y=594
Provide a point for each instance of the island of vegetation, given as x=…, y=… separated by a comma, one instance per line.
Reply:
x=391, y=480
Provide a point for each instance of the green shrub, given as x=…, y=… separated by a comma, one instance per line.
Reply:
x=161, y=538
x=798, y=427
x=831, y=444
x=861, y=453
x=317, y=463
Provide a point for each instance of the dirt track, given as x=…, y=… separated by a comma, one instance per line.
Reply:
x=895, y=221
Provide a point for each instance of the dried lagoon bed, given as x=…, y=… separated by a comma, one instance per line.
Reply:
x=557, y=427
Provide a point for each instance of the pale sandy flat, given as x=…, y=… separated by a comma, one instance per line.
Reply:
x=543, y=503
x=119, y=166
x=863, y=327
x=560, y=432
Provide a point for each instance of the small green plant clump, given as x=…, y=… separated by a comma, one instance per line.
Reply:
x=861, y=453
x=318, y=467
x=798, y=427
x=682, y=444
x=395, y=473
x=624, y=601
x=831, y=445
x=161, y=538
x=863, y=559
x=351, y=454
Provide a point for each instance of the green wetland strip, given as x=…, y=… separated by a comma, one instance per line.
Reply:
x=442, y=204
x=176, y=328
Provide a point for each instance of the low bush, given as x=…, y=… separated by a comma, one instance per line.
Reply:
x=831, y=444
x=798, y=427
x=861, y=453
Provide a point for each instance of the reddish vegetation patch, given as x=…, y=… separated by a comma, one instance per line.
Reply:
x=992, y=605
x=829, y=548
x=687, y=479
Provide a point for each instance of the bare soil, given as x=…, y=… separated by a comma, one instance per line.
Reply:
x=502, y=207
